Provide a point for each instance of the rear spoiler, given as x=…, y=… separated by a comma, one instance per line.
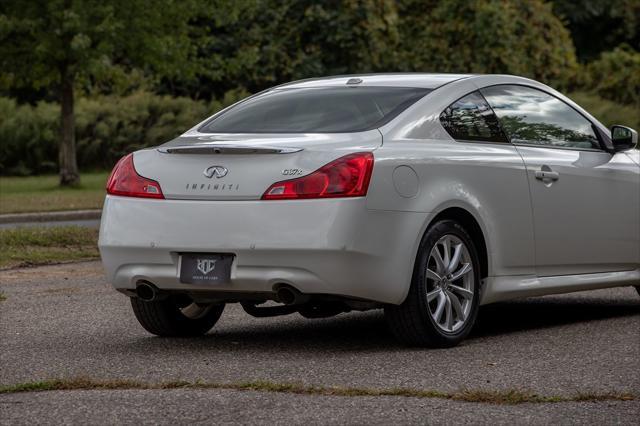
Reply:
x=226, y=149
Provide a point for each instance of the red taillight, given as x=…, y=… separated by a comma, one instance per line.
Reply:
x=347, y=176
x=125, y=181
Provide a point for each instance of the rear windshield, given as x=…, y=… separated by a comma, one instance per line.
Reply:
x=316, y=110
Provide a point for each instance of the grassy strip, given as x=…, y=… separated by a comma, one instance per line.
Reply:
x=45, y=245
x=42, y=193
x=509, y=397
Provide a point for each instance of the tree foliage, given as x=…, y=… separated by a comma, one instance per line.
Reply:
x=252, y=44
x=491, y=36
x=61, y=44
x=600, y=25
x=616, y=75
x=92, y=40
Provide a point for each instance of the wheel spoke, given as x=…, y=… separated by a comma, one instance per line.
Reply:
x=455, y=260
x=466, y=268
x=448, y=313
x=456, y=305
x=440, y=265
x=433, y=275
x=446, y=244
x=467, y=294
x=433, y=295
x=442, y=301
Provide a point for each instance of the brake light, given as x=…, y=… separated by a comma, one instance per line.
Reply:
x=347, y=176
x=125, y=181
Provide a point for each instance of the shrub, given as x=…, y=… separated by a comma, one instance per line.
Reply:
x=615, y=75
x=28, y=137
x=107, y=127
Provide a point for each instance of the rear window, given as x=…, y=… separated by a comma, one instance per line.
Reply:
x=316, y=110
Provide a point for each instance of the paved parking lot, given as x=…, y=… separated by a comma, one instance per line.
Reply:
x=64, y=322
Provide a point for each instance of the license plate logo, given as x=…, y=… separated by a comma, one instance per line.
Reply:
x=205, y=268
x=206, y=265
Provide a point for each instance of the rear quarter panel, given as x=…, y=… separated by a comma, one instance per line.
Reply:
x=488, y=180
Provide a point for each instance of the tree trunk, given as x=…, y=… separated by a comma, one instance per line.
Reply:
x=69, y=175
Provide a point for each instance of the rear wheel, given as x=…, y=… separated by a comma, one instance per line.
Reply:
x=175, y=317
x=638, y=289
x=442, y=304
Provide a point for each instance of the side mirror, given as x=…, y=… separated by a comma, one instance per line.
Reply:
x=623, y=138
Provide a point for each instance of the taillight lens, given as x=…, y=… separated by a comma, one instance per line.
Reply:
x=347, y=176
x=125, y=181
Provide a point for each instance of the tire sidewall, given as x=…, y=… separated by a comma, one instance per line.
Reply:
x=164, y=318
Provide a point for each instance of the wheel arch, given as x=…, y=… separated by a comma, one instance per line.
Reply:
x=471, y=224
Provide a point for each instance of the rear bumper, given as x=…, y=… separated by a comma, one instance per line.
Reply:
x=334, y=246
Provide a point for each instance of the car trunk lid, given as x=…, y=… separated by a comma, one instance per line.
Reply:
x=242, y=167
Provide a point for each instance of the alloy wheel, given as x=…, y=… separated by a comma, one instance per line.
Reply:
x=450, y=283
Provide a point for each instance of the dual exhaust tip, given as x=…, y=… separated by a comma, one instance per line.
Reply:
x=289, y=295
x=285, y=294
x=147, y=292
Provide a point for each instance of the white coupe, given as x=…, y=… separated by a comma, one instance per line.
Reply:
x=426, y=195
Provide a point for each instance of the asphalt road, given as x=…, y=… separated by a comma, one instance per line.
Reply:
x=65, y=322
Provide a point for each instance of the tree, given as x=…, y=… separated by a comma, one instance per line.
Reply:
x=491, y=36
x=61, y=45
x=252, y=45
x=600, y=25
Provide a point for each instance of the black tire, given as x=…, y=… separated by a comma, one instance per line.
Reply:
x=638, y=289
x=165, y=318
x=411, y=322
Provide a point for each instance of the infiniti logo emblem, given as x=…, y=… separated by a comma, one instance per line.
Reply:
x=217, y=171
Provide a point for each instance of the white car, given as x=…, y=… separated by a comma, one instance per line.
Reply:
x=427, y=195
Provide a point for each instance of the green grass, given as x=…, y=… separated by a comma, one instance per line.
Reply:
x=2, y=297
x=42, y=193
x=608, y=112
x=510, y=397
x=40, y=245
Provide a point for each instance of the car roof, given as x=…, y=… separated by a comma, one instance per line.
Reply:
x=422, y=80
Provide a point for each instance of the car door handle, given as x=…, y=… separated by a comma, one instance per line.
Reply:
x=547, y=174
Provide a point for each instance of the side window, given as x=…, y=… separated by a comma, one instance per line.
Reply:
x=530, y=116
x=470, y=118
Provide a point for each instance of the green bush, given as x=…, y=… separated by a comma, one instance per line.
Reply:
x=615, y=75
x=28, y=137
x=107, y=127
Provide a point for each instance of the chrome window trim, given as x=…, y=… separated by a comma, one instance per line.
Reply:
x=565, y=148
